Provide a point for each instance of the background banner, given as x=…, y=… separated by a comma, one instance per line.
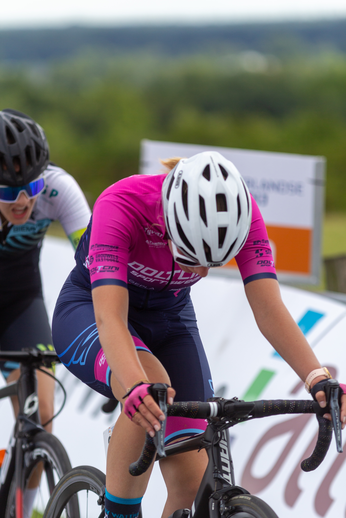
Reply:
x=266, y=452
x=289, y=190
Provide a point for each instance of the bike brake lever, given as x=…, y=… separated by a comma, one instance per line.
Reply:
x=159, y=393
x=332, y=392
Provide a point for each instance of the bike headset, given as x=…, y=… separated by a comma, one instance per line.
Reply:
x=24, y=155
x=207, y=209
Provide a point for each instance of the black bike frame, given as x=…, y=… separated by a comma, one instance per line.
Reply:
x=27, y=424
x=219, y=474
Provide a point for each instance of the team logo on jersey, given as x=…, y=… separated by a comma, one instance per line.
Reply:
x=103, y=269
x=106, y=257
x=102, y=248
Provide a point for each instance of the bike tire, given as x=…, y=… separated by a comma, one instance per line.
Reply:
x=249, y=506
x=45, y=450
x=72, y=486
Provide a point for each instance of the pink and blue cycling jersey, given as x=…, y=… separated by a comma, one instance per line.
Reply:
x=126, y=243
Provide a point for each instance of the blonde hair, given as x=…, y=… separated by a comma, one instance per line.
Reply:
x=170, y=163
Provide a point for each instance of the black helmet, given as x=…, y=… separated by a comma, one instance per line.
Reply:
x=24, y=144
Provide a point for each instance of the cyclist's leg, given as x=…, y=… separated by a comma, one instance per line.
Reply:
x=185, y=360
x=182, y=475
x=127, y=440
x=29, y=328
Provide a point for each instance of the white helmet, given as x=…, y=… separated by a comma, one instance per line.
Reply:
x=207, y=208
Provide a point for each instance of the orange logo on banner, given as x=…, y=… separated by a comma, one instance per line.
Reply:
x=292, y=249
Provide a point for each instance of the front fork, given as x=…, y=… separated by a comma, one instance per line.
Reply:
x=28, y=420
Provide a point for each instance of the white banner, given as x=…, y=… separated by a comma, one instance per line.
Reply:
x=289, y=191
x=266, y=452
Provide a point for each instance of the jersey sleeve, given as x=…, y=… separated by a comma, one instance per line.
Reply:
x=72, y=209
x=111, y=240
x=255, y=259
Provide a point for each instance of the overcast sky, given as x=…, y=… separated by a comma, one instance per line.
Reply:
x=38, y=13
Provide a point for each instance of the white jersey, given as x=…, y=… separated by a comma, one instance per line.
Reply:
x=62, y=200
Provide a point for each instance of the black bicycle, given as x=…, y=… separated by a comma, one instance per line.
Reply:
x=218, y=495
x=31, y=450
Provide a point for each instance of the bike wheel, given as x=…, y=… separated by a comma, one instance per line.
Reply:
x=85, y=483
x=249, y=506
x=47, y=461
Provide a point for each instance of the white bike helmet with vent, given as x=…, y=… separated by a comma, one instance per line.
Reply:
x=207, y=208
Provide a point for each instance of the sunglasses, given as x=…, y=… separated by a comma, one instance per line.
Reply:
x=181, y=258
x=32, y=189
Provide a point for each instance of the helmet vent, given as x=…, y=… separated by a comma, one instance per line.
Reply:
x=202, y=211
x=37, y=152
x=184, y=193
x=28, y=156
x=2, y=162
x=207, y=252
x=9, y=136
x=34, y=130
x=170, y=186
x=229, y=251
x=18, y=126
x=206, y=172
x=181, y=232
x=222, y=235
x=168, y=228
x=239, y=208
x=221, y=203
x=224, y=172
x=18, y=168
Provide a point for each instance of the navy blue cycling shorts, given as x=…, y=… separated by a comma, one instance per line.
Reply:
x=166, y=328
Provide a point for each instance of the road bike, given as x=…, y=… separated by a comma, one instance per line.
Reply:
x=31, y=450
x=218, y=495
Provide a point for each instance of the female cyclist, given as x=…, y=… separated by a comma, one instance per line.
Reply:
x=33, y=193
x=150, y=238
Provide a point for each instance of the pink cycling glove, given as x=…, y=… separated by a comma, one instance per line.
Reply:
x=135, y=398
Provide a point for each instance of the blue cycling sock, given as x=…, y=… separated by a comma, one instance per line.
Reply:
x=122, y=507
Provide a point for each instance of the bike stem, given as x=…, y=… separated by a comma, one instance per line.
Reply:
x=219, y=474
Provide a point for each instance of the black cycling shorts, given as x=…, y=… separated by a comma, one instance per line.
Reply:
x=24, y=325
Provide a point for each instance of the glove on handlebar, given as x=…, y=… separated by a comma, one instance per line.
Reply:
x=325, y=386
x=135, y=398
x=333, y=393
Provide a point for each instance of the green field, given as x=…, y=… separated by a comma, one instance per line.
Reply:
x=334, y=235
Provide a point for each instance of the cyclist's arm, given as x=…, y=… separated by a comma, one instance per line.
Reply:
x=279, y=328
x=75, y=236
x=67, y=203
x=111, y=308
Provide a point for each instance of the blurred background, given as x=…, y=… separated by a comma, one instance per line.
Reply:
x=101, y=78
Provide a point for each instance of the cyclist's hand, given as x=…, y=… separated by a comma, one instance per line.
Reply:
x=342, y=407
x=141, y=408
x=320, y=397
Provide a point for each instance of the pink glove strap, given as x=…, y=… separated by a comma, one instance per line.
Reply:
x=135, y=399
x=343, y=387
